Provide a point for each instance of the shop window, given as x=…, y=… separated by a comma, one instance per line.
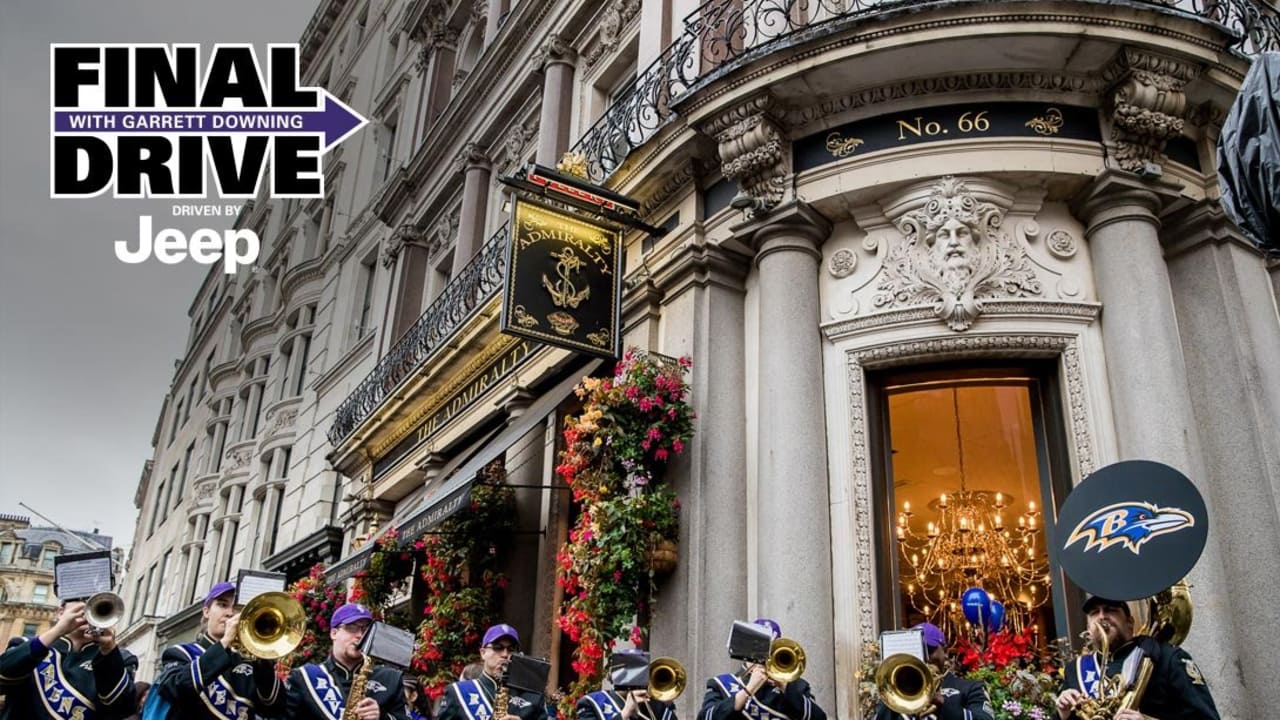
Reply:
x=972, y=461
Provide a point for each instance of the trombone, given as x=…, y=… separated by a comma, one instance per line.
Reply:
x=667, y=679
x=271, y=625
x=786, y=661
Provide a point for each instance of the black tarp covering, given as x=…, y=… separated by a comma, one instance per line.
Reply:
x=1249, y=154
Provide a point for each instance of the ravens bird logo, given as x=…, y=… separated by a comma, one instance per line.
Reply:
x=1130, y=524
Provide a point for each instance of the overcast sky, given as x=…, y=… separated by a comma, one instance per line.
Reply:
x=87, y=343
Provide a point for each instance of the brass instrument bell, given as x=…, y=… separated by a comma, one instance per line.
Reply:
x=271, y=625
x=906, y=684
x=102, y=611
x=786, y=660
x=667, y=679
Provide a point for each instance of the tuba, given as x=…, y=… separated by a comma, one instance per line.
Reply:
x=102, y=611
x=271, y=625
x=667, y=679
x=786, y=661
x=906, y=684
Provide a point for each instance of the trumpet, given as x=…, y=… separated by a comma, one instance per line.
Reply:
x=667, y=679
x=786, y=661
x=907, y=685
x=103, y=611
x=271, y=625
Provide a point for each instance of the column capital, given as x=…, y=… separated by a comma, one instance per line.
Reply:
x=405, y=235
x=1145, y=103
x=1203, y=222
x=514, y=400
x=1117, y=195
x=555, y=51
x=794, y=226
x=472, y=157
x=702, y=262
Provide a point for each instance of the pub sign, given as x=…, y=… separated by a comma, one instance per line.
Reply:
x=564, y=278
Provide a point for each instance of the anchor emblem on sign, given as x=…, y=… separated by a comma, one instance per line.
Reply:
x=563, y=292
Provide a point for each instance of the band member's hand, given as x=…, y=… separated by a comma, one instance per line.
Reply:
x=1129, y=714
x=72, y=619
x=367, y=709
x=106, y=639
x=631, y=707
x=1067, y=701
x=231, y=630
x=937, y=699
x=757, y=679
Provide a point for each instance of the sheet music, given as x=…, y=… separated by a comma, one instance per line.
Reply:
x=80, y=579
x=388, y=644
x=902, y=642
x=251, y=584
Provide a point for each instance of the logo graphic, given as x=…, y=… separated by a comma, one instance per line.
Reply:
x=1130, y=524
x=145, y=120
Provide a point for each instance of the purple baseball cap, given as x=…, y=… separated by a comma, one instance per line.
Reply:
x=218, y=591
x=349, y=613
x=933, y=636
x=497, y=632
x=772, y=625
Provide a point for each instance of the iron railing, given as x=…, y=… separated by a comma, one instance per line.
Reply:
x=465, y=294
x=723, y=34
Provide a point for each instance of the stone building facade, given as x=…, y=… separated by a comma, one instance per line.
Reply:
x=890, y=228
x=28, y=602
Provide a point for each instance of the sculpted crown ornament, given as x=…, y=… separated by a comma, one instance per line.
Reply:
x=953, y=255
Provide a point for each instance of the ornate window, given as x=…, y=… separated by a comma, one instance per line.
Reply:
x=972, y=461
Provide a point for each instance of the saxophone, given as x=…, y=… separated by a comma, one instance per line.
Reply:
x=1113, y=695
x=356, y=693
x=502, y=701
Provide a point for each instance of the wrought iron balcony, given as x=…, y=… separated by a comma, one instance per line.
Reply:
x=722, y=34
x=465, y=294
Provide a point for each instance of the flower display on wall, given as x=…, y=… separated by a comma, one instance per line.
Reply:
x=319, y=600
x=616, y=450
x=459, y=567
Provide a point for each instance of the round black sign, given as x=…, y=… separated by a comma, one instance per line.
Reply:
x=1131, y=529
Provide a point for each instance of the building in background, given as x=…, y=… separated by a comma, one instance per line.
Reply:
x=28, y=605
x=925, y=256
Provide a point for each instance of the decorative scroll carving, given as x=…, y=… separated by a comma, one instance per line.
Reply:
x=238, y=458
x=472, y=154
x=480, y=13
x=1147, y=105
x=953, y=255
x=518, y=138
x=282, y=420
x=1061, y=243
x=754, y=152
x=616, y=17
x=403, y=235
x=444, y=233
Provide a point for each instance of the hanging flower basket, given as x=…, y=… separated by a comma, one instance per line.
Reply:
x=663, y=557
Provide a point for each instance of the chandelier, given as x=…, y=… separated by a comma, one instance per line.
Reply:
x=978, y=540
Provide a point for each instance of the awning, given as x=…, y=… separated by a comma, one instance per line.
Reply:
x=455, y=492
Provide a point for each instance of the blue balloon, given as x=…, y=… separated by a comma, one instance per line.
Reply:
x=976, y=604
x=996, y=621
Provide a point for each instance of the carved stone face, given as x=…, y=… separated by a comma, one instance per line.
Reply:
x=952, y=248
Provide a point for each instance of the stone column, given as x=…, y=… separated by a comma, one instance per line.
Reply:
x=219, y=444
x=210, y=553
x=701, y=288
x=439, y=57
x=475, y=199
x=406, y=252
x=793, y=503
x=1150, y=397
x=523, y=464
x=557, y=59
x=493, y=19
x=1231, y=337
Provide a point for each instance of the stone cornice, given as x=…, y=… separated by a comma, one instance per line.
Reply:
x=925, y=315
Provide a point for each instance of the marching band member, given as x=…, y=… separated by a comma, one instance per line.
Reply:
x=208, y=678
x=956, y=698
x=412, y=697
x=751, y=694
x=66, y=673
x=627, y=705
x=473, y=699
x=1176, y=691
x=320, y=692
